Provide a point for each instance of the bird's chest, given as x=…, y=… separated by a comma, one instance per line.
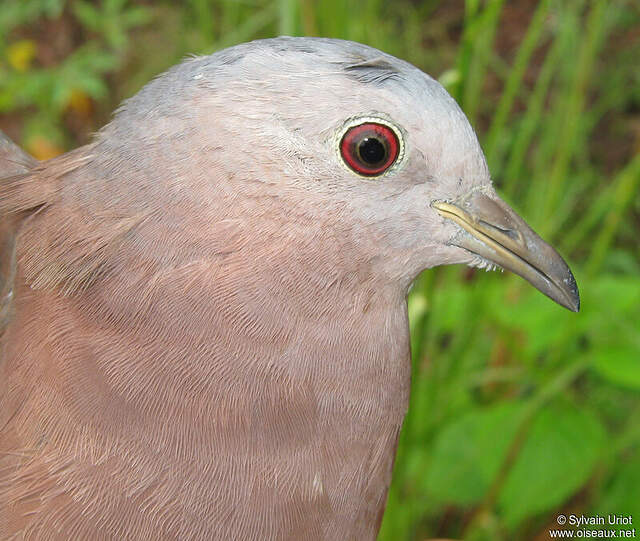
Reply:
x=300, y=443
x=289, y=454
x=230, y=432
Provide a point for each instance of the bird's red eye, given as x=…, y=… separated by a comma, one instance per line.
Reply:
x=370, y=148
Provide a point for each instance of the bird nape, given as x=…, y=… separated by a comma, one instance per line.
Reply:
x=204, y=310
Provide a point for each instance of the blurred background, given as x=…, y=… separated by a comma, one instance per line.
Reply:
x=520, y=410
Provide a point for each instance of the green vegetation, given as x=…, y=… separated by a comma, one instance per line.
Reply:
x=520, y=410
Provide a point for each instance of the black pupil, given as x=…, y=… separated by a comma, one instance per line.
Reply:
x=371, y=151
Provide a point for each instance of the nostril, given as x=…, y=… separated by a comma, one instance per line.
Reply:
x=511, y=233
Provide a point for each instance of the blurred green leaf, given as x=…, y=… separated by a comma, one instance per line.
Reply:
x=611, y=315
x=618, y=294
x=87, y=14
x=540, y=322
x=621, y=495
x=619, y=364
x=83, y=70
x=557, y=456
x=17, y=12
x=450, y=304
x=468, y=453
x=112, y=19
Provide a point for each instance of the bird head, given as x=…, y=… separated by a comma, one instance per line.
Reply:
x=344, y=141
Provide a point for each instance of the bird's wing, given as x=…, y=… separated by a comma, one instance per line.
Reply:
x=15, y=165
x=13, y=160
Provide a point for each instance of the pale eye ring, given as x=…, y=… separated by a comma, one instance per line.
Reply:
x=370, y=148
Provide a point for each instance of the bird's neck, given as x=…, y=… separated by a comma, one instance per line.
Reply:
x=202, y=340
x=287, y=376
x=210, y=335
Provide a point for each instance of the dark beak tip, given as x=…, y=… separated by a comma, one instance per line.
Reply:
x=575, y=307
x=563, y=289
x=575, y=294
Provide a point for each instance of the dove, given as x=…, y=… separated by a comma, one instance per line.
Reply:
x=204, y=331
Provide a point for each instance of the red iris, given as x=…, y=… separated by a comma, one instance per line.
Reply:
x=370, y=148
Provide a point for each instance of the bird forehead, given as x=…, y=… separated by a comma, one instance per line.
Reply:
x=290, y=65
x=332, y=81
x=301, y=78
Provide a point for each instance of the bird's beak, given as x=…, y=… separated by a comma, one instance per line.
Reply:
x=496, y=233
